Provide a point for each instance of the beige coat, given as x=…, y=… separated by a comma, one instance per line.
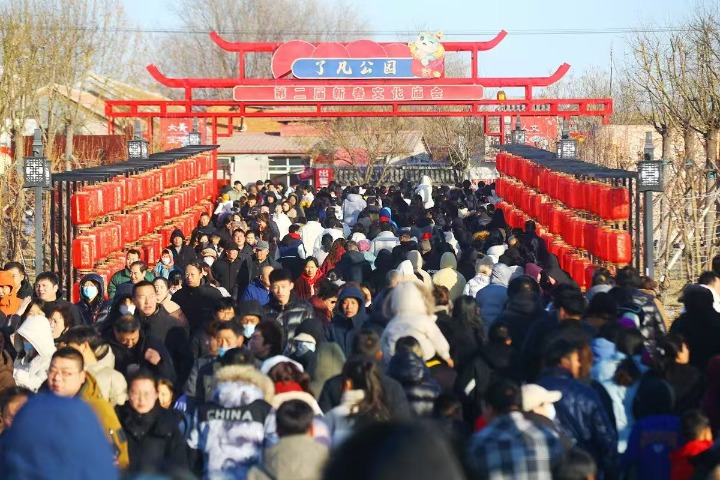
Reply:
x=295, y=457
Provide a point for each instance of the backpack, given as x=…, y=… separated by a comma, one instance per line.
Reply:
x=631, y=313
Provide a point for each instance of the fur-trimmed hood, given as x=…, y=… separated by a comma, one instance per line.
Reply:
x=238, y=385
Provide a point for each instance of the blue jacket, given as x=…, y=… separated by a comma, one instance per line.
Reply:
x=651, y=441
x=256, y=291
x=581, y=415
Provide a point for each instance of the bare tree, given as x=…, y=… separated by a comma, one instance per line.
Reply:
x=45, y=44
x=369, y=145
x=194, y=55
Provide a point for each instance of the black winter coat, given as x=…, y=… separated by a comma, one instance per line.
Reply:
x=129, y=360
x=464, y=340
x=154, y=438
x=420, y=387
x=182, y=258
x=198, y=304
x=173, y=335
x=294, y=317
x=226, y=273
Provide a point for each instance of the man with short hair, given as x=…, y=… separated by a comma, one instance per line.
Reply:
x=67, y=378
x=294, y=316
x=311, y=231
x=123, y=276
x=135, y=349
x=226, y=269
x=266, y=340
x=385, y=240
x=204, y=227
x=580, y=411
x=353, y=266
x=250, y=267
x=160, y=324
x=112, y=383
x=22, y=289
x=237, y=191
x=138, y=273
x=200, y=384
x=511, y=446
x=47, y=285
x=297, y=454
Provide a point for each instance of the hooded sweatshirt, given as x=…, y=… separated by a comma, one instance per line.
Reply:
x=416, y=260
x=10, y=303
x=410, y=318
x=351, y=207
x=31, y=370
x=492, y=298
x=425, y=191
x=386, y=216
x=449, y=277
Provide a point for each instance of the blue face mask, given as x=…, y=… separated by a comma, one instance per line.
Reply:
x=28, y=347
x=222, y=351
x=248, y=330
x=89, y=292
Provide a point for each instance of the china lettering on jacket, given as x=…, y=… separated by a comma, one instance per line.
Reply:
x=233, y=414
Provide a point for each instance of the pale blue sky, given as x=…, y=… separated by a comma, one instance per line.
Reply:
x=522, y=54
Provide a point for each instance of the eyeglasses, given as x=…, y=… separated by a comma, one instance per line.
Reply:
x=62, y=373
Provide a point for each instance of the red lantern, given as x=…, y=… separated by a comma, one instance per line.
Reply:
x=619, y=246
x=617, y=203
x=84, y=250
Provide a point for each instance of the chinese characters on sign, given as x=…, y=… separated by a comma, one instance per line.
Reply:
x=357, y=93
x=356, y=68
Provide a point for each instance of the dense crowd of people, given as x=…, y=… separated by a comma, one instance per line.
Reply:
x=387, y=332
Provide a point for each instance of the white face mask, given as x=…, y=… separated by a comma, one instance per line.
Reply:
x=550, y=412
x=127, y=309
x=209, y=261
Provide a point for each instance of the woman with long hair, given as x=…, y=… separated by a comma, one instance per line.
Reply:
x=308, y=279
x=268, y=230
x=363, y=400
x=326, y=242
x=209, y=279
x=687, y=382
x=334, y=255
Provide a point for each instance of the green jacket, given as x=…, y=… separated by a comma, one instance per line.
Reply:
x=123, y=276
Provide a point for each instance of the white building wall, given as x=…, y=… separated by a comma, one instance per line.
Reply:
x=248, y=168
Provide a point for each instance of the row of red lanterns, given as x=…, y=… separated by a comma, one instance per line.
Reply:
x=606, y=201
x=121, y=192
x=608, y=244
x=96, y=243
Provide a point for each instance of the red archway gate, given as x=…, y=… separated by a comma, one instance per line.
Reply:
x=324, y=77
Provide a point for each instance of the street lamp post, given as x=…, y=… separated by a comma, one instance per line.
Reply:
x=566, y=146
x=194, y=137
x=518, y=135
x=650, y=179
x=37, y=173
x=138, y=146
